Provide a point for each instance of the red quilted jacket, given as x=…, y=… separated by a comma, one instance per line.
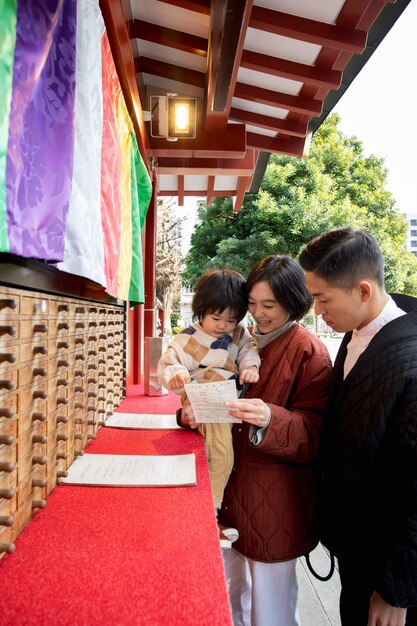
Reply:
x=271, y=494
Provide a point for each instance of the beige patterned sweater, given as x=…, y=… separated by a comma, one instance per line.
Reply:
x=194, y=349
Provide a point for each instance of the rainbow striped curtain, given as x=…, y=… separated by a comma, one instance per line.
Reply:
x=73, y=186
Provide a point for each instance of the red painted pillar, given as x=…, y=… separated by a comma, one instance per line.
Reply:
x=150, y=268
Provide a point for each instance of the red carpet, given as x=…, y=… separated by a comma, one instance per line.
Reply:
x=126, y=556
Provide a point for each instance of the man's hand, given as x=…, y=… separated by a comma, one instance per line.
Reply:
x=383, y=614
x=249, y=375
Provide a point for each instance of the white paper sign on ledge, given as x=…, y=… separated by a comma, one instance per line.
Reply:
x=124, y=470
x=142, y=420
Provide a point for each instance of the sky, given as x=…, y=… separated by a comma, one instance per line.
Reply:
x=379, y=107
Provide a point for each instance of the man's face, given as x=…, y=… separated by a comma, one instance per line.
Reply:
x=342, y=310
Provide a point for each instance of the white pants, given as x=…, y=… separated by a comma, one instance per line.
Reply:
x=261, y=594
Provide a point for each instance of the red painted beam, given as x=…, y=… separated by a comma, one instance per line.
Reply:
x=304, y=29
x=168, y=37
x=210, y=189
x=240, y=193
x=307, y=106
x=198, y=6
x=293, y=71
x=167, y=70
x=205, y=167
x=181, y=190
x=228, y=144
x=294, y=146
x=298, y=129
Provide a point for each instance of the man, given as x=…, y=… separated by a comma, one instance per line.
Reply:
x=368, y=510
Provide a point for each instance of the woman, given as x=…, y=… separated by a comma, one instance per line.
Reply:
x=270, y=496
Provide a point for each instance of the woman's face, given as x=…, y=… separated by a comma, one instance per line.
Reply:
x=265, y=310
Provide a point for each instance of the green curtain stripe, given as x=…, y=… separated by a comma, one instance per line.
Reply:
x=141, y=195
x=8, y=12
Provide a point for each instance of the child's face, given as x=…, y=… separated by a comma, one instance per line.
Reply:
x=218, y=324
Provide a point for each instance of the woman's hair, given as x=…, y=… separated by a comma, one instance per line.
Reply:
x=218, y=290
x=344, y=256
x=287, y=282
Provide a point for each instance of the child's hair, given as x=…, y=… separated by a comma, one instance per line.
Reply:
x=287, y=282
x=218, y=290
x=344, y=256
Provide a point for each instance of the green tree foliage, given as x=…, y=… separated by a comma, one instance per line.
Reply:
x=337, y=185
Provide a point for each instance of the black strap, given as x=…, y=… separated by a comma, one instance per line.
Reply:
x=312, y=570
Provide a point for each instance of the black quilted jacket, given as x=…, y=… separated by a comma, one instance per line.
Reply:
x=369, y=497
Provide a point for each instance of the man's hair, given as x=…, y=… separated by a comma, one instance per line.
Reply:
x=287, y=282
x=344, y=256
x=218, y=290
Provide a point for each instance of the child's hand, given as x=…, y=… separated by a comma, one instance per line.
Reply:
x=178, y=381
x=249, y=375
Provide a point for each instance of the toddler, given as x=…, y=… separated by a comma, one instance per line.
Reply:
x=215, y=337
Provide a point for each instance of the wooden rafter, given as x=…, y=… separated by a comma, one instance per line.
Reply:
x=205, y=167
x=293, y=146
x=307, y=106
x=293, y=71
x=167, y=70
x=298, y=129
x=198, y=6
x=168, y=37
x=241, y=188
x=301, y=28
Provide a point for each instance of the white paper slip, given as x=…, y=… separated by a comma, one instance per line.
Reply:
x=125, y=470
x=207, y=400
x=139, y=420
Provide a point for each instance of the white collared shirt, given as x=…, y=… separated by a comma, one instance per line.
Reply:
x=362, y=338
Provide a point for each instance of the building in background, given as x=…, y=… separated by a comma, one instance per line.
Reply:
x=411, y=244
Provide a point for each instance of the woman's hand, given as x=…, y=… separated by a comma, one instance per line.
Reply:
x=187, y=415
x=254, y=411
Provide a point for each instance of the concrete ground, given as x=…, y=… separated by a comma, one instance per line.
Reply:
x=318, y=601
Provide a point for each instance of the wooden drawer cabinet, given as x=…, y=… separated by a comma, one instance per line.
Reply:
x=61, y=373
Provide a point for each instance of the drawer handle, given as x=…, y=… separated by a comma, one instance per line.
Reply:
x=63, y=326
x=38, y=504
x=63, y=363
x=6, y=466
x=39, y=439
x=6, y=384
x=8, y=548
x=6, y=520
x=40, y=350
x=63, y=345
x=80, y=340
x=7, y=413
x=62, y=437
x=7, y=494
x=40, y=371
x=39, y=460
x=8, y=358
x=38, y=393
x=61, y=419
x=62, y=382
x=7, y=440
x=78, y=389
x=38, y=417
x=79, y=309
x=39, y=482
x=40, y=328
x=8, y=330
x=62, y=400
x=63, y=307
x=8, y=304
